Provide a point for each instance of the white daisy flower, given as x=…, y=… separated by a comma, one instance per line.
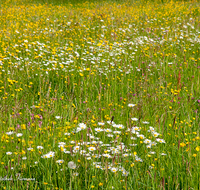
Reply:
x=131, y=105
x=151, y=129
x=155, y=134
x=120, y=126
x=147, y=141
x=148, y=146
x=98, y=166
x=134, y=119
x=110, y=135
x=160, y=140
x=145, y=122
x=125, y=155
x=76, y=148
x=91, y=148
x=117, y=132
x=82, y=126
x=141, y=136
x=107, y=155
x=111, y=123
x=101, y=123
x=49, y=155
x=19, y=134
x=75, y=174
x=133, y=138
x=114, y=169
x=108, y=130
x=9, y=133
x=98, y=130
x=82, y=151
x=67, y=152
x=125, y=173
x=132, y=144
x=62, y=143
x=59, y=161
x=40, y=147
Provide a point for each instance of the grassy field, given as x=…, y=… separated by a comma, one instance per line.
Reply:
x=99, y=95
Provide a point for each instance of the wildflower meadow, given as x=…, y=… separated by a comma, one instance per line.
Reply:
x=99, y=94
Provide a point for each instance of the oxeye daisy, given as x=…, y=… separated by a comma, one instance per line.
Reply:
x=111, y=122
x=132, y=144
x=155, y=134
x=40, y=147
x=82, y=126
x=98, y=129
x=160, y=140
x=98, y=166
x=101, y=123
x=126, y=155
x=107, y=155
x=91, y=148
x=117, y=132
x=131, y=105
x=67, y=152
x=75, y=174
x=119, y=126
x=110, y=135
x=49, y=155
x=133, y=138
x=61, y=144
x=82, y=151
x=134, y=119
x=19, y=134
x=151, y=128
x=9, y=133
x=59, y=161
x=141, y=136
x=114, y=169
x=76, y=148
x=125, y=173
x=146, y=141
x=78, y=129
x=108, y=130
x=148, y=146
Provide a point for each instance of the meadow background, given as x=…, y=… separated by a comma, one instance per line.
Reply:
x=99, y=94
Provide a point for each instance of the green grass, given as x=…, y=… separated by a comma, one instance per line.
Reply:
x=69, y=65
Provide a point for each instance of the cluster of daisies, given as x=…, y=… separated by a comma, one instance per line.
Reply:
x=106, y=146
x=103, y=145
